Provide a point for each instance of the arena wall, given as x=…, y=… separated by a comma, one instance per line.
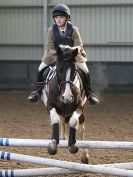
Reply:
x=105, y=27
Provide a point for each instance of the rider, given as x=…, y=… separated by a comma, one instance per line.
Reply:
x=63, y=32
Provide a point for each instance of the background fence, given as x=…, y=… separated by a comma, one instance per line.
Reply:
x=106, y=29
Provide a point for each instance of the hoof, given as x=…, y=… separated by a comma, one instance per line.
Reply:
x=73, y=149
x=85, y=160
x=85, y=157
x=52, y=148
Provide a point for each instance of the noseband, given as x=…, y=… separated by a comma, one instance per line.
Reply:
x=65, y=82
x=69, y=82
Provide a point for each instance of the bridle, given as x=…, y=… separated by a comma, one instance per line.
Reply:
x=66, y=58
x=69, y=82
x=65, y=82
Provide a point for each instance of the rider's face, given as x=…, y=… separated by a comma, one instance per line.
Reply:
x=60, y=20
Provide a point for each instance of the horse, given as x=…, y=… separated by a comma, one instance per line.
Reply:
x=64, y=97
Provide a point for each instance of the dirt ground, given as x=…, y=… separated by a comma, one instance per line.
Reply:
x=112, y=119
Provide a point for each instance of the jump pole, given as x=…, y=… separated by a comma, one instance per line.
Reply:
x=54, y=170
x=66, y=165
x=64, y=143
x=36, y=172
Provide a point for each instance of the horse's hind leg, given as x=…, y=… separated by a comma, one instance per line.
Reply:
x=63, y=135
x=53, y=145
x=85, y=153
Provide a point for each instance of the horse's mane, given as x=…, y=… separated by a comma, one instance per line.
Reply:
x=67, y=49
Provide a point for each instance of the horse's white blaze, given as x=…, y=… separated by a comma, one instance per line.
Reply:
x=74, y=121
x=55, y=118
x=67, y=93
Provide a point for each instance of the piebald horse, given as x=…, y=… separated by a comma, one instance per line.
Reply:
x=64, y=98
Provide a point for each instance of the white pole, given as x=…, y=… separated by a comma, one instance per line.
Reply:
x=35, y=172
x=64, y=143
x=127, y=166
x=55, y=170
x=67, y=165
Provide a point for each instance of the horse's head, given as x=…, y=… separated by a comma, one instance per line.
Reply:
x=66, y=71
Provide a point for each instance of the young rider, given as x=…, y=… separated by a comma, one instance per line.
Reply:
x=63, y=32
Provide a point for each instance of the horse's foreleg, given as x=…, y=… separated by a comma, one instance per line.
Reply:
x=73, y=123
x=53, y=145
x=85, y=153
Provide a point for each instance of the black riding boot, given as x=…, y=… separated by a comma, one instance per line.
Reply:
x=41, y=76
x=88, y=91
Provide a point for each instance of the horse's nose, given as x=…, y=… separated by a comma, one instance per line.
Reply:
x=67, y=99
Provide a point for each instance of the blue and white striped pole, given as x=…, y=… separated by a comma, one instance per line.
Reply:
x=54, y=170
x=67, y=165
x=35, y=172
x=64, y=143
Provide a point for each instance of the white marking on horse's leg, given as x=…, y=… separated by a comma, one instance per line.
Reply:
x=74, y=121
x=81, y=131
x=55, y=118
x=67, y=93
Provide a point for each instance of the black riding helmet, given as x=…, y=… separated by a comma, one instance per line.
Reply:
x=61, y=10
